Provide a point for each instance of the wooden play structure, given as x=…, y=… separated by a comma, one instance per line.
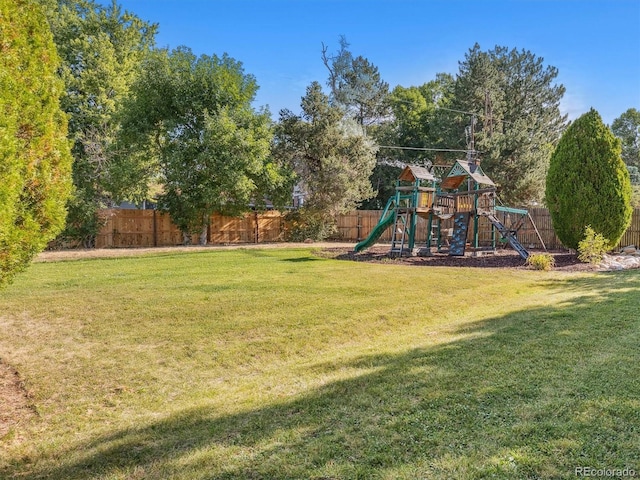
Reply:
x=464, y=194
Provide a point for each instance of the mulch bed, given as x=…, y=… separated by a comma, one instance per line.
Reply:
x=502, y=258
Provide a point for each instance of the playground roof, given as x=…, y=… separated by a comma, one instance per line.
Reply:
x=411, y=173
x=463, y=169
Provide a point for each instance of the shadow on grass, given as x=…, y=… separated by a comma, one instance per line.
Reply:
x=531, y=394
x=300, y=259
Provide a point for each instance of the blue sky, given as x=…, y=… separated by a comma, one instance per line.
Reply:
x=595, y=44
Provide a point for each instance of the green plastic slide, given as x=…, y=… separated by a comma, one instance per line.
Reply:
x=385, y=222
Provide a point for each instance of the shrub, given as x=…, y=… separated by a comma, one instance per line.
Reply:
x=635, y=196
x=541, y=261
x=35, y=161
x=634, y=174
x=592, y=247
x=308, y=223
x=588, y=183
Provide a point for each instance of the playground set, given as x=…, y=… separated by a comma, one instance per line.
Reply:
x=464, y=194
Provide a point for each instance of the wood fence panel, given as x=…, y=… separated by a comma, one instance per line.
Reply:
x=632, y=235
x=356, y=225
x=270, y=226
x=368, y=221
x=232, y=229
x=348, y=225
x=104, y=239
x=542, y=219
x=127, y=228
x=167, y=234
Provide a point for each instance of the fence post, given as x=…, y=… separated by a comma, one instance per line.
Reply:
x=257, y=223
x=155, y=229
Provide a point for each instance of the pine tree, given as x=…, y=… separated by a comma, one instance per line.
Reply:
x=356, y=85
x=588, y=183
x=517, y=103
x=627, y=128
x=35, y=161
x=330, y=155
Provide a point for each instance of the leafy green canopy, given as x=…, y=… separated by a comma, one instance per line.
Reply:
x=35, y=162
x=101, y=47
x=420, y=119
x=588, y=183
x=627, y=128
x=417, y=121
x=190, y=125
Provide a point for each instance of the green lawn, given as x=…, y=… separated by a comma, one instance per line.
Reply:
x=274, y=364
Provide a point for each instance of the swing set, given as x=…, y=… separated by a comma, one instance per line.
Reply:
x=465, y=194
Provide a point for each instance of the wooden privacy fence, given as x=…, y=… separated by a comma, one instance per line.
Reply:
x=356, y=226
x=150, y=228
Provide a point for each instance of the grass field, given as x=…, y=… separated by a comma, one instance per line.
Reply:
x=279, y=364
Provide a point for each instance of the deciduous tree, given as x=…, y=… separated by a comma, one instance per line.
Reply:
x=35, y=162
x=101, y=49
x=418, y=120
x=627, y=128
x=190, y=123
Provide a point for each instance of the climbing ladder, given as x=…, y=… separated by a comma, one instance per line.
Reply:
x=459, y=237
x=400, y=228
x=509, y=236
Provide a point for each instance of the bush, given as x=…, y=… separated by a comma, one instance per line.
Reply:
x=635, y=196
x=35, y=161
x=307, y=223
x=592, y=247
x=588, y=183
x=541, y=261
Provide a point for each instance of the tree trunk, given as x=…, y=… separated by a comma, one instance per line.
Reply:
x=205, y=230
x=203, y=235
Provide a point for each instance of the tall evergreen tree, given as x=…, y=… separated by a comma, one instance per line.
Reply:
x=330, y=155
x=35, y=161
x=356, y=85
x=517, y=103
x=588, y=183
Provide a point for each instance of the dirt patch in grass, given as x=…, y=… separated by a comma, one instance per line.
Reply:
x=14, y=398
